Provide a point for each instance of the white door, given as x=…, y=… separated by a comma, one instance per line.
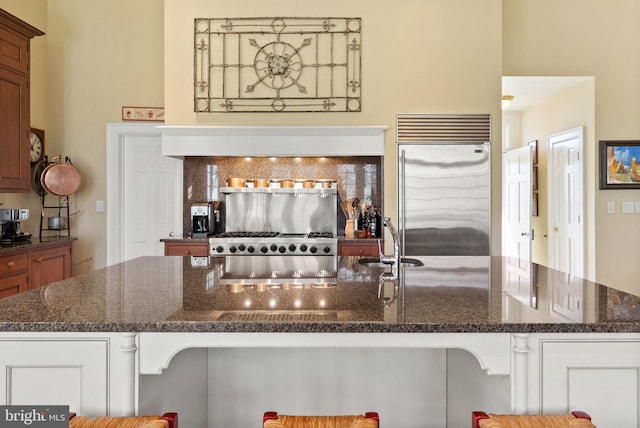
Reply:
x=517, y=223
x=144, y=192
x=566, y=202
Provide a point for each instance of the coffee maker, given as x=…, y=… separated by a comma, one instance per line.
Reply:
x=206, y=219
x=10, y=225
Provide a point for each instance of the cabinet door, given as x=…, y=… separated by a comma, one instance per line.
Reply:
x=14, y=132
x=13, y=274
x=600, y=377
x=51, y=265
x=186, y=249
x=13, y=285
x=55, y=372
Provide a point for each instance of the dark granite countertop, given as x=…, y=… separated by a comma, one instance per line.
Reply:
x=250, y=294
x=33, y=244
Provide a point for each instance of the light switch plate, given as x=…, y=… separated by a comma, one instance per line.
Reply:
x=611, y=207
x=99, y=206
x=637, y=207
x=627, y=207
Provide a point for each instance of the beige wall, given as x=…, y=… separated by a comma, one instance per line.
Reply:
x=589, y=38
x=97, y=56
x=566, y=110
x=418, y=56
x=433, y=56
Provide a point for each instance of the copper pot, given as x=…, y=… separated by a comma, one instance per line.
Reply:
x=325, y=183
x=236, y=182
x=288, y=184
x=260, y=182
x=61, y=178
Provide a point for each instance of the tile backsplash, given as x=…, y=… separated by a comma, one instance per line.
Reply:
x=357, y=177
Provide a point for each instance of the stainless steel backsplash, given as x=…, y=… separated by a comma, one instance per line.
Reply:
x=281, y=212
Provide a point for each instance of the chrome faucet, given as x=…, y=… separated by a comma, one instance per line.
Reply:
x=394, y=260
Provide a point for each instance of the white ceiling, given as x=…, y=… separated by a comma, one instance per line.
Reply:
x=530, y=90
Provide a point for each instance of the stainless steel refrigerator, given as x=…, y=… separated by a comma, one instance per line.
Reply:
x=444, y=199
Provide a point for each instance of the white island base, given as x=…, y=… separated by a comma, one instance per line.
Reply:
x=411, y=379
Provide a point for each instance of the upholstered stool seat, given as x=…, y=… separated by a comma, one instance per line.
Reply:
x=572, y=420
x=273, y=420
x=168, y=420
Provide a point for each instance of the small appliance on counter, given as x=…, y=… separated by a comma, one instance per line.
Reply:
x=10, y=225
x=206, y=219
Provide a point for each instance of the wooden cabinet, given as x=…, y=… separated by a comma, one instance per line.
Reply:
x=186, y=249
x=50, y=264
x=30, y=268
x=15, y=39
x=359, y=248
x=13, y=274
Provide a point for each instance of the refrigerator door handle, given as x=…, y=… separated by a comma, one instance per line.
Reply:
x=401, y=200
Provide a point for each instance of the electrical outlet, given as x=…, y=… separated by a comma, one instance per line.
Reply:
x=611, y=207
x=637, y=207
x=627, y=207
x=99, y=206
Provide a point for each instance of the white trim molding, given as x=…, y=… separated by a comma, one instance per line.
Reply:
x=180, y=141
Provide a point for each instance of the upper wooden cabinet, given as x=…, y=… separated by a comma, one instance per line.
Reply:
x=15, y=38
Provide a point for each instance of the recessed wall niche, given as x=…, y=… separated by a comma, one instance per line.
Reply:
x=357, y=177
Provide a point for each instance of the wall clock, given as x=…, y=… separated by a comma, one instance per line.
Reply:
x=36, y=141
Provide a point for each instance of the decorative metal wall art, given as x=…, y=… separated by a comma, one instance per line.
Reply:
x=277, y=65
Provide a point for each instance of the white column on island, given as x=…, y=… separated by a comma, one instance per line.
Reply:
x=128, y=347
x=519, y=373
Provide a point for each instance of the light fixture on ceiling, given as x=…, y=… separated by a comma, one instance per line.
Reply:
x=506, y=100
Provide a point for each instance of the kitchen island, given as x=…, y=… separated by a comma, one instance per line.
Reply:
x=561, y=341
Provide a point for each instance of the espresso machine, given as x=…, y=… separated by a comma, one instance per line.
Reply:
x=206, y=219
x=10, y=220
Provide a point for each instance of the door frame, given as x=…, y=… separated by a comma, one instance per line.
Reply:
x=558, y=137
x=117, y=134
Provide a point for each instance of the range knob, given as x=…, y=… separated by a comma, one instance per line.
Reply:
x=303, y=247
x=264, y=250
x=326, y=250
x=232, y=249
x=273, y=247
x=219, y=249
x=282, y=249
x=250, y=249
x=241, y=247
x=292, y=248
x=313, y=250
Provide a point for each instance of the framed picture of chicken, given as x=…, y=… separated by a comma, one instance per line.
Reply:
x=620, y=164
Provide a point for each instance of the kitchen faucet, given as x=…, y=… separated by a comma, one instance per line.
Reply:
x=394, y=260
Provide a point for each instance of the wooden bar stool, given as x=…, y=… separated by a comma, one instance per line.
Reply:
x=273, y=420
x=573, y=420
x=167, y=420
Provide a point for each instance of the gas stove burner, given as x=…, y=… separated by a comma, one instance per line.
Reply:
x=313, y=235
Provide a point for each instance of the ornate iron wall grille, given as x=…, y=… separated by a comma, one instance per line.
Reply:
x=277, y=65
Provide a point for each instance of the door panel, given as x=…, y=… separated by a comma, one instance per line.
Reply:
x=566, y=196
x=517, y=240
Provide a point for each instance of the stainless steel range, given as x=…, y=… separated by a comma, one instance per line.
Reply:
x=277, y=221
x=274, y=243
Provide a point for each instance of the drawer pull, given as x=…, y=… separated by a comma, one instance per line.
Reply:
x=38, y=260
x=11, y=264
x=187, y=252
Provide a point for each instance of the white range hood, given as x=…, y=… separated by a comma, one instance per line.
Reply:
x=180, y=141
